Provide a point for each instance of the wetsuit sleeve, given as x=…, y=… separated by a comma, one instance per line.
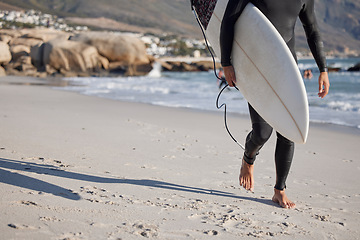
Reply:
x=307, y=17
x=233, y=10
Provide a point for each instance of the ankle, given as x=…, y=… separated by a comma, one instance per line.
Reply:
x=278, y=191
x=248, y=161
x=247, y=165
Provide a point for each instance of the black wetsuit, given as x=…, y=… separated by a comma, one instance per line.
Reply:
x=283, y=15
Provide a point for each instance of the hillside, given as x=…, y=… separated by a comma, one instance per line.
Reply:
x=150, y=15
x=339, y=20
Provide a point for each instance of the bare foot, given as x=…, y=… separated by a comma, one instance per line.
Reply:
x=246, y=177
x=281, y=199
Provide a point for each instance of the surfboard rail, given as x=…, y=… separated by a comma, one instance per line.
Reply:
x=266, y=71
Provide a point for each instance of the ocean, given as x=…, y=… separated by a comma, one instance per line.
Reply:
x=199, y=90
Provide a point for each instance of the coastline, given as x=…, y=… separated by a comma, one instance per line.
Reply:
x=75, y=166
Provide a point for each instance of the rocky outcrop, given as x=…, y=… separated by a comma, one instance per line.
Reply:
x=54, y=52
x=43, y=52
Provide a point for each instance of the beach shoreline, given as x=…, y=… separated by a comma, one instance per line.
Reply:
x=82, y=167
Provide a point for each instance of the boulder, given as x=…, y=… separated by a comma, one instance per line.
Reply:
x=5, y=38
x=166, y=65
x=13, y=72
x=127, y=49
x=355, y=68
x=5, y=54
x=180, y=66
x=50, y=70
x=36, y=54
x=24, y=41
x=116, y=67
x=21, y=67
x=19, y=50
x=67, y=55
x=22, y=63
x=104, y=62
x=184, y=65
x=11, y=33
x=44, y=34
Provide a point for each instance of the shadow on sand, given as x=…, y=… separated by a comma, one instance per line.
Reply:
x=16, y=179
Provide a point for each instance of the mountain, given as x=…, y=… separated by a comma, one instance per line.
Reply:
x=339, y=20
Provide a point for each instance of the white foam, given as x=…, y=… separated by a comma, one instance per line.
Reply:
x=199, y=91
x=156, y=71
x=343, y=106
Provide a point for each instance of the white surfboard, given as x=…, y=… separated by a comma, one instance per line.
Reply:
x=266, y=72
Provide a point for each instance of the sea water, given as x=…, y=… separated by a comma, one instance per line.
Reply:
x=199, y=90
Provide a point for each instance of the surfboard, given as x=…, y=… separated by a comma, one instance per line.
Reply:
x=266, y=72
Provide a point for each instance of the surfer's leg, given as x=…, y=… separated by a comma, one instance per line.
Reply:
x=260, y=133
x=283, y=157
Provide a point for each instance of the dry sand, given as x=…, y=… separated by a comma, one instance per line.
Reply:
x=80, y=167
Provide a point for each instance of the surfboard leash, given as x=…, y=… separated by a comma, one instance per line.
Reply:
x=216, y=75
x=225, y=121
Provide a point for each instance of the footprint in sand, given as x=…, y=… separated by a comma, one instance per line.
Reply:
x=22, y=226
x=211, y=232
x=145, y=230
x=96, y=195
x=29, y=203
x=71, y=235
x=148, y=166
x=50, y=219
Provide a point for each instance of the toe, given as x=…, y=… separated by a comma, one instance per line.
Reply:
x=248, y=187
x=283, y=204
x=291, y=205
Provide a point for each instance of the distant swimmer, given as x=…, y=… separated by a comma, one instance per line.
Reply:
x=307, y=74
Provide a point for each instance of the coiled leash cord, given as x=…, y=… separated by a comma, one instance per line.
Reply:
x=226, y=126
x=215, y=73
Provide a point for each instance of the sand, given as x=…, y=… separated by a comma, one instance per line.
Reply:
x=81, y=167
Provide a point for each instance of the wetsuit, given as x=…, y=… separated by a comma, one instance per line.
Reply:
x=283, y=15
